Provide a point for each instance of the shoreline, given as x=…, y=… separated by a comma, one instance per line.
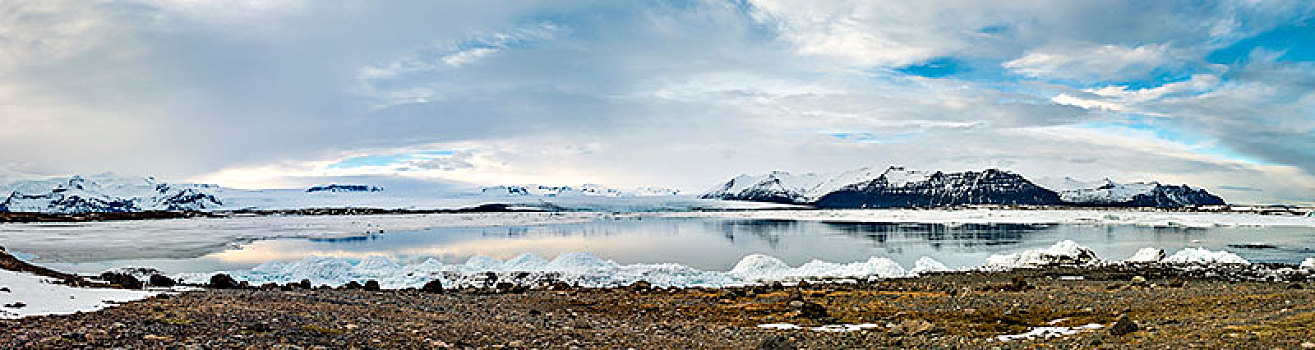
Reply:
x=38, y=217
x=1177, y=307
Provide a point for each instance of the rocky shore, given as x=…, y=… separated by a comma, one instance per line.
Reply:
x=1119, y=306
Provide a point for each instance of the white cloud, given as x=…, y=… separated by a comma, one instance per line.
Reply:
x=1096, y=62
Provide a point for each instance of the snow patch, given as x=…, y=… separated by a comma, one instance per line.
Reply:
x=40, y=296
x=826, y=328
x=1049, y=332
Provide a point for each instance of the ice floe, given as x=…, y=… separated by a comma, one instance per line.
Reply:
x=587, y=269
x=23, y=295
x=1005, y=216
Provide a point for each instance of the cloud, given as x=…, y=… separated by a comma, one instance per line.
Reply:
x=670, y=93
x=1097, y=62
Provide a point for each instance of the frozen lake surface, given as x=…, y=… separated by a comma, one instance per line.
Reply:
x=704, y=243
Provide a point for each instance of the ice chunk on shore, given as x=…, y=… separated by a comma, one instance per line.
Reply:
x=31, y=295
x=1065, y=252
x=1205, y=256
x=1308, y=264
x=759, y=267
x=927, y=264
x=1145, y=255
x=583, y=268
x=755, y=265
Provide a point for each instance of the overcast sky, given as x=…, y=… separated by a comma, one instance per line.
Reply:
x=279, y=93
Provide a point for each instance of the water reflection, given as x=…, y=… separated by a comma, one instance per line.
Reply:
x=716, y=244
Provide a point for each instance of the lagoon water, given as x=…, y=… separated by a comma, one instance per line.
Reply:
x=707, y=244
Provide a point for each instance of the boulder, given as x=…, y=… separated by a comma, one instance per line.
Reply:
x=224, y=281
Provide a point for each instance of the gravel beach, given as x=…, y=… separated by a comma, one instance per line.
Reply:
x=1135, y=306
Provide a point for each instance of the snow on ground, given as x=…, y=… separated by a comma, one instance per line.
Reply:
x=38, y=296
x=1049, y=332
x=826, y=328
x=1004, y=216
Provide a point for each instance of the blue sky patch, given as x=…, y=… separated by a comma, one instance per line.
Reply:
x=1296, y=42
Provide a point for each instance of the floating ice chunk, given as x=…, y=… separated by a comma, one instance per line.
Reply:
x=39, y=296
x=1049, y=332
x=1205, y=256
x=927, y=264
x=1308, y=264
x=1147, y=255
x=1065, y=252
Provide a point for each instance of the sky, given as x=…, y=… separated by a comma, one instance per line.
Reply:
x=285, y=93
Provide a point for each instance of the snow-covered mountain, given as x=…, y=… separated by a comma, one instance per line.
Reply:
x=587, y=190
x=901, y=188
x=107, y=192
x=787, y=188
x=1136, y=194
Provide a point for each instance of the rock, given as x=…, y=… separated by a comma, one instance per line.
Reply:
x=353, y=285
x=809, y=309
x=435, y=286
x=5, y=289
x=1296, y=286
x=779, y=342
x=1139, y=281
x=913, y=327
x=1176, y=283
x=640, y=286
x=372, y=286
x=1018, y=284
x=1123, y=326
x=305, y=284
x=16, y=305
x=158, y=280
x=122, y=279
x=223, y=281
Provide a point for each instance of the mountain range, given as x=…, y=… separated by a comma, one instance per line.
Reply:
x=901, y=187
x=108, y=192
x=860, y=188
